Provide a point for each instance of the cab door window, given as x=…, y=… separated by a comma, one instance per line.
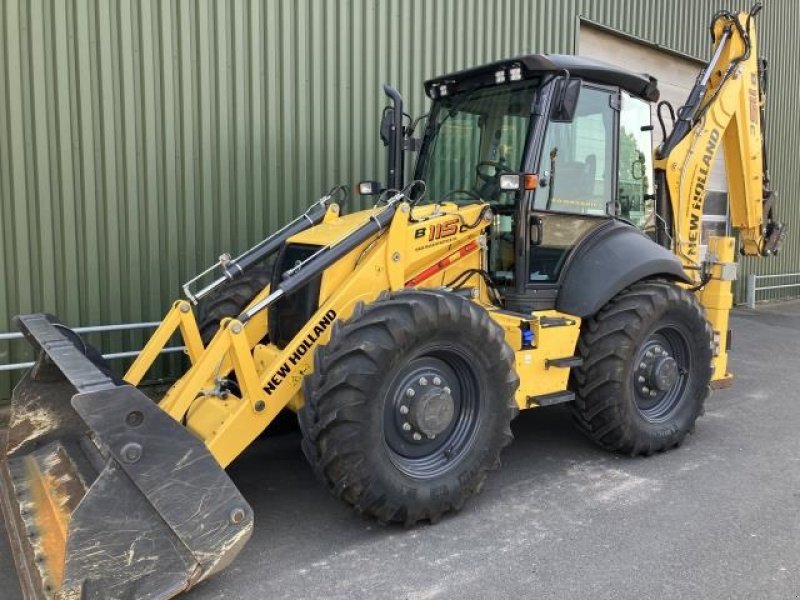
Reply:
x=576, y=174
x=576, y=167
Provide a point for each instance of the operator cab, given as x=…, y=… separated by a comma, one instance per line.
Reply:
x=582, y=126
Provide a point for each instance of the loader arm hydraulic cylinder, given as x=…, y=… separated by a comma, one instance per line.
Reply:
x=232, y=269
x=300, y=275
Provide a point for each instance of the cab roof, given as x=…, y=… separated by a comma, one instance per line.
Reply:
x=535, y=65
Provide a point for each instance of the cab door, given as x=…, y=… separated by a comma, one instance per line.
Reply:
x=577, y=188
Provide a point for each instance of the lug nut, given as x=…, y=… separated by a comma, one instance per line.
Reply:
x=410, y=392
x=446, y=390
x=417, y=437
x=649, y=354
x=403, y=410
x=437, y=381
x=406, y=427
x=658, y=349
x=423, y=381
x=641, y=378
x=645, y=390
x=642, y=365
x=653, y=393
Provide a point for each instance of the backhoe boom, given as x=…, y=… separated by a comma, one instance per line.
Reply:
x=725, y=108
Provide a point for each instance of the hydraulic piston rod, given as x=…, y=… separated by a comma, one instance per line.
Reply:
x=325, y=257
x=234, y=268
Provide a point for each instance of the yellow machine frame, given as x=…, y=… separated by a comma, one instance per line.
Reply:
x=271, y=378
x=68, y=405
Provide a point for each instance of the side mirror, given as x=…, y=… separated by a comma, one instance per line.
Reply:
x=387, y=120
x=567, y=93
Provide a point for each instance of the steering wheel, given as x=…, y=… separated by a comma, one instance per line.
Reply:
x=499, y=169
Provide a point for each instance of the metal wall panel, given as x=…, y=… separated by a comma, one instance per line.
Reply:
x=140, y=139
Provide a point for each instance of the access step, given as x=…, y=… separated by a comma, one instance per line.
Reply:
x=550, y=399
x=567, y=362
x=545, y=322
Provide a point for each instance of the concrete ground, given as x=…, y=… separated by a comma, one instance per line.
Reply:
x=717, y=518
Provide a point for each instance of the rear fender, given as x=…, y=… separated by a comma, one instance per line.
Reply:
x=614, y=257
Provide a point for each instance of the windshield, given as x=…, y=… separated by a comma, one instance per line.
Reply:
x=474, y=137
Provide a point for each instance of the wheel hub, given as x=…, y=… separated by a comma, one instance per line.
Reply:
x=664, y=373
x=427, y=408
x=659, y=377
x=657, y=371
x=431, y=412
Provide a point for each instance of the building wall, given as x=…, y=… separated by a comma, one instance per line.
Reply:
x=140, y=139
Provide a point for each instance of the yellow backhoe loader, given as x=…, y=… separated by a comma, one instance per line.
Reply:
x=540, y=253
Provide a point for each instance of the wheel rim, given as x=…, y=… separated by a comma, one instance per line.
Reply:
x=431, y=413
x=661, y=372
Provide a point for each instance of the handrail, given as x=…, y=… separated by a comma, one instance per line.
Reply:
x=15, y=335
x=753, y=287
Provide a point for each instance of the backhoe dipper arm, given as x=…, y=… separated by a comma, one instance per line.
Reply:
x=726, y=106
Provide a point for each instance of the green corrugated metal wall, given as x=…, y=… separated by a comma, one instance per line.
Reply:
x=138, y=140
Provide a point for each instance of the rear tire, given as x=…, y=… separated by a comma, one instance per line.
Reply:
x=646, y=372
x=428, y=358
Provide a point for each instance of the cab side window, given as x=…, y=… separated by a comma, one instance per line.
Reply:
x=635, y=200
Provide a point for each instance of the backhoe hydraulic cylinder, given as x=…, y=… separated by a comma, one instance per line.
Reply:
x=689, y=111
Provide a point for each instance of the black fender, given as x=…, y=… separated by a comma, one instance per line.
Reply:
x=611, y=258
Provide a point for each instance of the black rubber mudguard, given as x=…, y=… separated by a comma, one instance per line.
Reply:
x=104, y=494
x=606, y=261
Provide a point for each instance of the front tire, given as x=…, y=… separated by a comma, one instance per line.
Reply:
x=646, y=371
x=409, y=405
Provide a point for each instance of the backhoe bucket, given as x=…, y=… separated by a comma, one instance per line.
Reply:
x=104, y=495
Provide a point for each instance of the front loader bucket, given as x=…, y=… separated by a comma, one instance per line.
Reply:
x=104, y=495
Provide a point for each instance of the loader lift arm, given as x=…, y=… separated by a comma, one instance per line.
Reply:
x=182, y=317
